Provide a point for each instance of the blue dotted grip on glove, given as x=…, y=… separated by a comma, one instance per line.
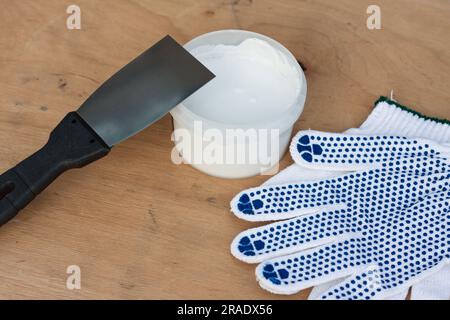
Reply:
x=384, y=224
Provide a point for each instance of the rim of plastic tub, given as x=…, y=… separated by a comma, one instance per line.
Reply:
x=286, y=120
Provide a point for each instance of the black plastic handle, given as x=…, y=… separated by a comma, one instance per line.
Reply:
x=72, y=144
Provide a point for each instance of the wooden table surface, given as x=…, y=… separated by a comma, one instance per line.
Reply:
x=138, y=225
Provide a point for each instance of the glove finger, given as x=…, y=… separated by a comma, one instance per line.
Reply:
x=296, y=174
x=289, y=236
x=318, y=291
x=333, y=151
x=277, y=202
x=363, y=285
x=402, y=295
x=293, y=273
x=286, y=201
x=434, y=287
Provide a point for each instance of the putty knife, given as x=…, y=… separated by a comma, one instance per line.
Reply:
x=135, y=97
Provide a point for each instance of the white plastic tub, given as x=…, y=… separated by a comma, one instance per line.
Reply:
x=196, y=128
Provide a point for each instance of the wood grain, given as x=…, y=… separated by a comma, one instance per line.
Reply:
x=138, y=225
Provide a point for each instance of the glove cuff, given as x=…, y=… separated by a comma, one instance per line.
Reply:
x=389, y=117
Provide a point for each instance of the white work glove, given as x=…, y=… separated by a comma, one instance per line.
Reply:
x=387, y=119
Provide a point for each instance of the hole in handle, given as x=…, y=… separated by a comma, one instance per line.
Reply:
x=6, y=188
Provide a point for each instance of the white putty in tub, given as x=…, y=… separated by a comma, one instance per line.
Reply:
x=254, y=83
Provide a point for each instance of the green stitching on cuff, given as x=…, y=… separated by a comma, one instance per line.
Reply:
x=420, y=115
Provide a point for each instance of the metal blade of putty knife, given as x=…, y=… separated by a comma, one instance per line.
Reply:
x=135, y=97
x=143, y=91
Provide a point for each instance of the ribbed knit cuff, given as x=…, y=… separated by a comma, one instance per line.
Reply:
x=389, y=117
